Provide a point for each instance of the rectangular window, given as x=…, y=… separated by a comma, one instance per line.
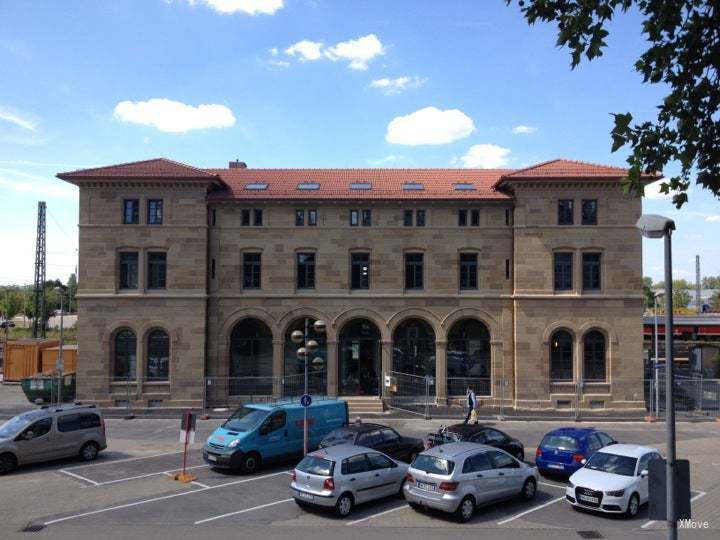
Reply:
x=565, y=212
x=128, y=270
x=312, y=218
x=354, y=218
x=468, y=271
x=252, y=270
x=420, y=218
x=212, y=269
x=563, y=271
x=131, y=211
x=155, y=212
x=591, y=271
x=366, y=218
x=214, y=217
x=462, y=218
x=475, y=218
x=156, y=269
x=299, y=218
x=507, y=268
x=413, y=271
x=360, y=270
x=507, y=217
x=408, y=218
x=257, y=218
x=245, y=218
x=305, y=270
x=589, y=212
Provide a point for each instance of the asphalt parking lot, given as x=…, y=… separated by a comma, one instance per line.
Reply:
x=129, y=491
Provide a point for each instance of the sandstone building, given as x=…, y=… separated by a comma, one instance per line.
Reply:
x=528, y=276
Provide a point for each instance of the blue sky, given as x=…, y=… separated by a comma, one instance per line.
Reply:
x=302, y=83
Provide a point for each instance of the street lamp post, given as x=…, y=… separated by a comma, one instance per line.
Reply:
x=60, y=362
x=309, y=346
x=654, y=226
x=656, y=382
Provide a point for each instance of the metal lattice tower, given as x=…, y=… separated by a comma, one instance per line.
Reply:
x=39, y=297
x=698, y=303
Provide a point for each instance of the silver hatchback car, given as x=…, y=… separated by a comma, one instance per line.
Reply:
x=458, y=477
x=51, y=433
x=342, y=476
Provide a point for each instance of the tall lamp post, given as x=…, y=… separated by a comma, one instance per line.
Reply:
x=654, y=226
x=60, y=362
x=309, y=346
x=656, y=382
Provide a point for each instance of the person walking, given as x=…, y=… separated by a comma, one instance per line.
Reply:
x=470, y=403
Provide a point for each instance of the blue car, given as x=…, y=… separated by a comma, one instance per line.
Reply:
x=563, y=451
x=259, y=433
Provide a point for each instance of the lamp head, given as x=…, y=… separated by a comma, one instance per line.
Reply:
x=654, y=226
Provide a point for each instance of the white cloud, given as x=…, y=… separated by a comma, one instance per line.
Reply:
x=486, y=156
x=22, y=182
x=18, y=119
x=174, y=116
x=524, y=130
x=249, y=7
x=652, y=191
x=399, y=84
x=713, y=219
x=358, y=51
x=392, y=158
x=429, y=126
x=305, y=50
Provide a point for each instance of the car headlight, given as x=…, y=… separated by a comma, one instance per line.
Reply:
x=233, y=443
x=618, y=493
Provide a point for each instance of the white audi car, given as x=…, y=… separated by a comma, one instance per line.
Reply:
x=614, y=479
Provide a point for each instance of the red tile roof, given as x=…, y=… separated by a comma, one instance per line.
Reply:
x=335, y=183
x=386, y=184
x=151, y=168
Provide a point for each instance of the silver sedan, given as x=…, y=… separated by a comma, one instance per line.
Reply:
x=342, y=476
x=458, y=477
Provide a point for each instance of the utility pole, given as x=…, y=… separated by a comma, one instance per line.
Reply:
x=698, y=302
x=39, y=299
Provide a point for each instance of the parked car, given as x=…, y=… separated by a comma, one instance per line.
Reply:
x=458, y=477
x=345, y=475
x=562, y=450
x=45, y=434
x=478, y=433
x=378, y=437
x=259, y=433
x=614, y=479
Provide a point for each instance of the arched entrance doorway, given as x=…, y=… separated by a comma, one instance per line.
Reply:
x=414, y=356
x=294, y=367
x=251, y=352
x=468, y=358
x=359, y=362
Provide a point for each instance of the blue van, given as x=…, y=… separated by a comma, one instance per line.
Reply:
x=259, y=433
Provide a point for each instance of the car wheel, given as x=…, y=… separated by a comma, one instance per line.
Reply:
x=465, y=509
x=633, y=506
x=344, y=505
x=401, y=491
x=8, y=463
x=250, y=463
x=89, y=451
x=529, y=489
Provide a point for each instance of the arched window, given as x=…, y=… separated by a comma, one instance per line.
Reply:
x=359, y=364
x=157, y=366
x=251, y=352
x=414, y=348
x=294, y=379
x=125, y=356
x=468, y=358
x=594, y=366
x=561, y=356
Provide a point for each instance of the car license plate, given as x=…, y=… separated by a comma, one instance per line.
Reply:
x=306, y=496
x=586, y=498
x=425, y=486
x=210, y=457
x=555, y=466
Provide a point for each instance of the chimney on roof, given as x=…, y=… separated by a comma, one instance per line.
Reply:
x=237, y=164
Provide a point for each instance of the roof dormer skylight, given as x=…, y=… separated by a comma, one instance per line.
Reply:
x=413, y=186
x=256, y=186
x=361, y=185
x=308, y=185
x=464, y=186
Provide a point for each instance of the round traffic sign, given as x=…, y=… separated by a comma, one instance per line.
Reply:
x=306, y=400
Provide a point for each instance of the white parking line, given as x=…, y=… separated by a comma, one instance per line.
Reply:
x=148, y=475
x=193, y=482
x=526, y=512
x=92, y=482
x=648, y=523
x=155, y=499
x=241, y=511
x=111, y=462
x=377, y=515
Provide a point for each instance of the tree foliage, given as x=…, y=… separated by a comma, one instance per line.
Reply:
x=711, y=282
x=683, y=55
x=681, y=298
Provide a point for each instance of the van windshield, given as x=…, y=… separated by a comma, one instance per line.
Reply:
x=15, y=424
x=244, y=419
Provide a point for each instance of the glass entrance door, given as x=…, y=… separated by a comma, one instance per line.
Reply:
x=359, y=359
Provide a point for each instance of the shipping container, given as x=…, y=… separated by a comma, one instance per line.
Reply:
x=23, y=358
x=49, y=358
